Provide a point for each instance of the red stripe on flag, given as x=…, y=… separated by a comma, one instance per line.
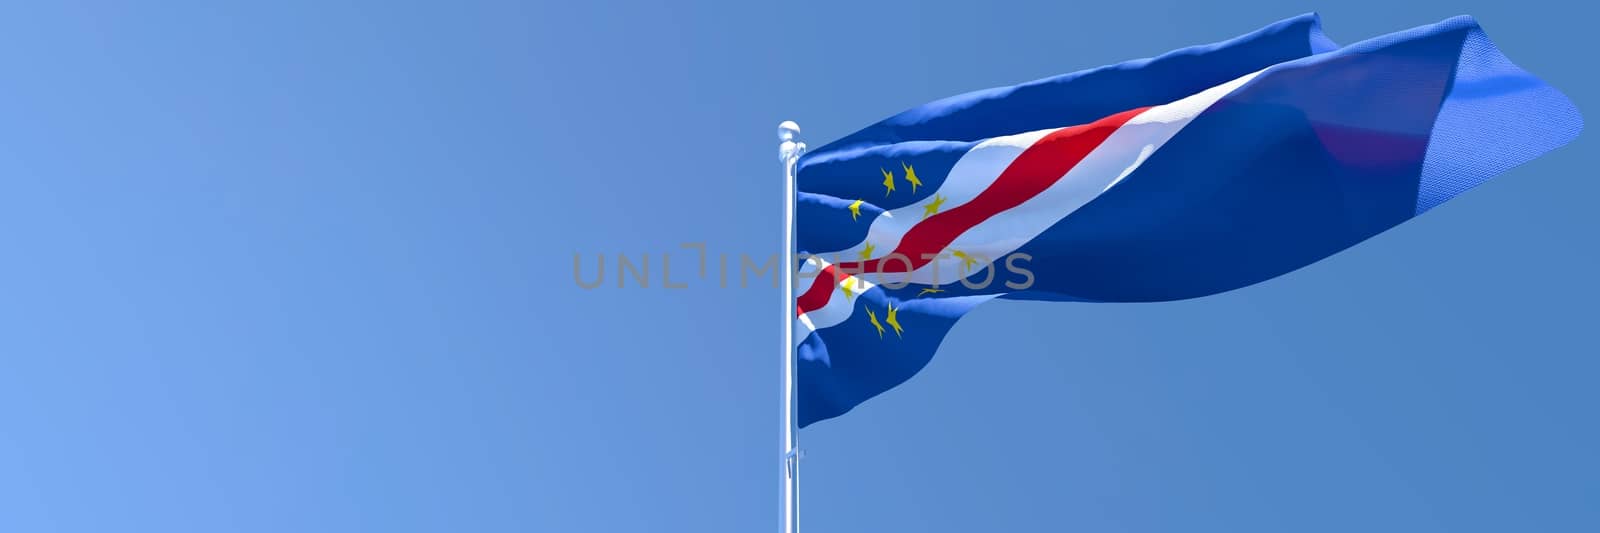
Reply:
x=1034, y=170
x=817, y=295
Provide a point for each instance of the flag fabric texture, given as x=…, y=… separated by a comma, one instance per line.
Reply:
x=1196, y=172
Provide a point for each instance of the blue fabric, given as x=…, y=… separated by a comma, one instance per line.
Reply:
x=1087, y=95
x=1324, y=149
x=1495, y=117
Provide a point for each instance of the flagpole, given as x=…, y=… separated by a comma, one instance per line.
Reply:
x=789, y=150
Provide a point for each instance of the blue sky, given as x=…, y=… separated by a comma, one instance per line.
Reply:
x=307, y=267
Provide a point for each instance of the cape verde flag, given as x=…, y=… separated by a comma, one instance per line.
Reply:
x=1200, y=171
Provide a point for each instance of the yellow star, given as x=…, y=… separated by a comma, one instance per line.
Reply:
x=855, y=209
x=930, y=291
x=966, y=260
x=866, y=253
x=893, y=322
x=933, y=207
x=875, y=324
x=845, y=286
x=911, y=176
x=888, y=181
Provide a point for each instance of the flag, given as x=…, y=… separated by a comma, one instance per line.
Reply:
x=1196, y=172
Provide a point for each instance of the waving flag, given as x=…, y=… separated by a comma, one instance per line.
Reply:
x=1200, y=171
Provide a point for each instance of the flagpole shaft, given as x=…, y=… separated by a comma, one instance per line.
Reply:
x=789, y=150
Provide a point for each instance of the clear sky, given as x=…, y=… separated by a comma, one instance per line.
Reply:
x=307, y=266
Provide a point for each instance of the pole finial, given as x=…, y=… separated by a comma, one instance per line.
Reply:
x=789, y=145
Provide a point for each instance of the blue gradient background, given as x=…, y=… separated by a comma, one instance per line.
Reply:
x=307, y=266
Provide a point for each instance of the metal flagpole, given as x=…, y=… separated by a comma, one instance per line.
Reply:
x=789, y=150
